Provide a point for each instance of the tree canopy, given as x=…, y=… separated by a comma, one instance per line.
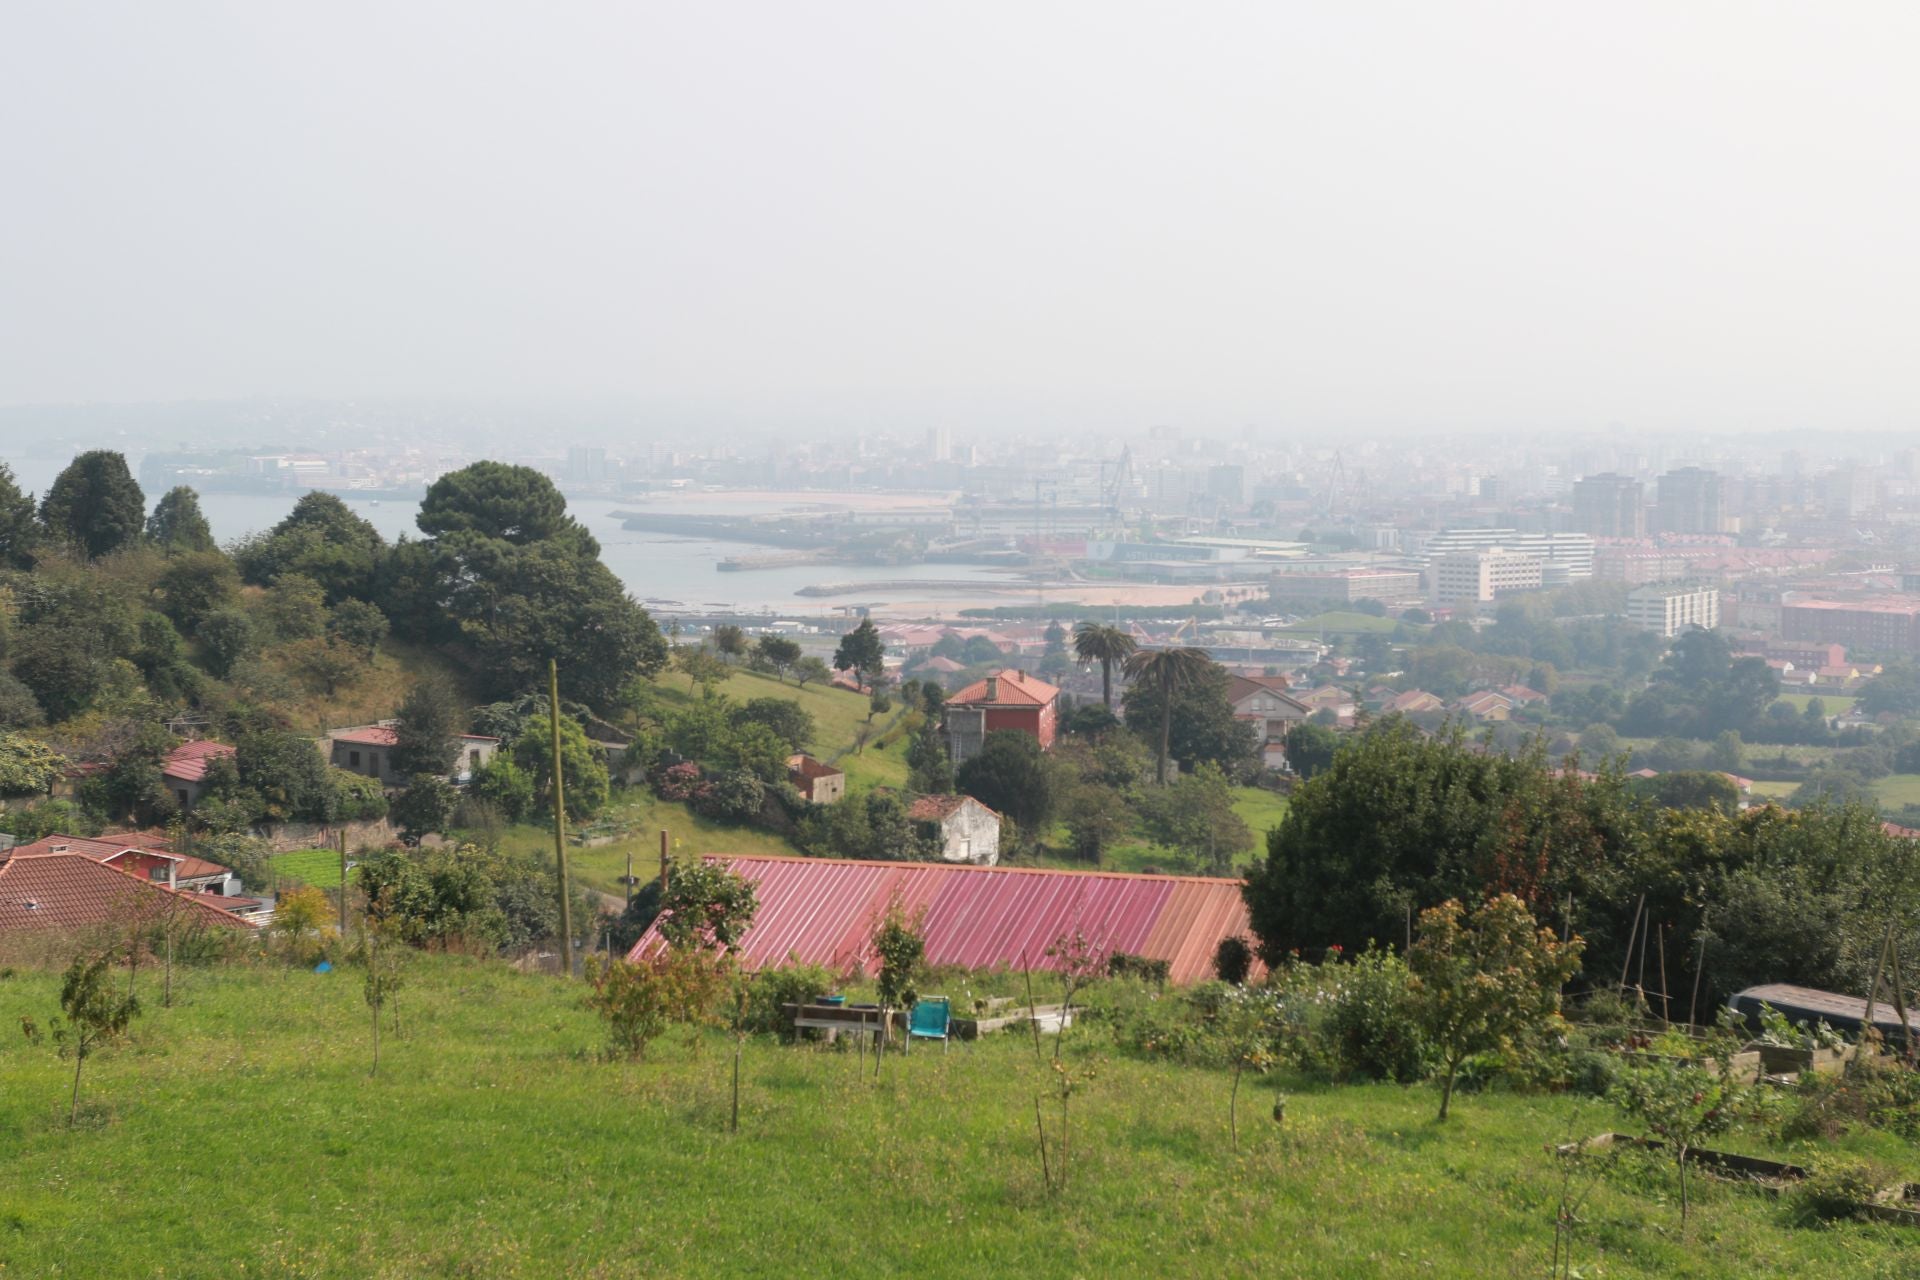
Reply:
x=177, y=524
x=94, y=505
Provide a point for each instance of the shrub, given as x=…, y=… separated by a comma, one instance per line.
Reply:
x=1837, y=1189
x=1233, y=960
x=634, y=1000
x=1124, y=965
x=791, y=983
x=677, y=782
x=734, y=796
x=1370, y=1029
x=1871, y=1092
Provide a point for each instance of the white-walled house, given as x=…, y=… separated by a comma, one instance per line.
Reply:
x=967, y=831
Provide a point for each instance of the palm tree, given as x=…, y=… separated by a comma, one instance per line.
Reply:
x=1167, y=672
x=1106, y=646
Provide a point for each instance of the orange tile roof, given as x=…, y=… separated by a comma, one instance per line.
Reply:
x=367, y=735
x=939, y=808
x=1016, y=689
x=188, y=762
x=73, y=891
x=116, y=845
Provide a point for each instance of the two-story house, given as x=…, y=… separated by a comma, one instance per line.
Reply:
x=1008, y=699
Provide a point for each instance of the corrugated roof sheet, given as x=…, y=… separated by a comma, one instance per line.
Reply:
x=823, y=911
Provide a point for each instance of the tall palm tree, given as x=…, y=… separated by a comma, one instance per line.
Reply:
x=1106, y=646
x=1167, y=673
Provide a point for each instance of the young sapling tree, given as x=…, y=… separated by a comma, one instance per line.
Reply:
x=95, y=1015
x=1485, y=979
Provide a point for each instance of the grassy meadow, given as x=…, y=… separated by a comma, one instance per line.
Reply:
x=241, y=1134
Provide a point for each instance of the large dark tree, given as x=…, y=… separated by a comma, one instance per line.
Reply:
x=18, y=532
x=1009, y=774
x=507, y=582
x=177, y=524
x=495, y=500
x=427, y=737
x=322, y=539
x=94, y=505
x=862, y=652
x=1177, y=699
x=1401, y=822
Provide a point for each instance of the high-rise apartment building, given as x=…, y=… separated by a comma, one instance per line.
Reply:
x=1610, y=505
x=1688, y=501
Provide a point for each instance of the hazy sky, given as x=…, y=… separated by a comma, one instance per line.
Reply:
x=1306, y=215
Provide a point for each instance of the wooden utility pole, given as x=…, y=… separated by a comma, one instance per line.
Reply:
x=560, y=820
x=343, y=884
x=663, y=863
x=628, y=882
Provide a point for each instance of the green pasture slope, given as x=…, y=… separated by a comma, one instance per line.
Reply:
x=240, y=1134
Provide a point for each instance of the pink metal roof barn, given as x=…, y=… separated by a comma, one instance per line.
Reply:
x=823, y=911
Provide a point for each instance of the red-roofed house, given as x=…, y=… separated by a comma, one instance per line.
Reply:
x=367, y=749
x=73, y=891
x=1486, y=705
x=965, y=829
x=1263, y=702
x=1413, y=702
x=1009, y=699
x=149, y=857
x=185, y=768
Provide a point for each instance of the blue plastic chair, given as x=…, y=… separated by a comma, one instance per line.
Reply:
x=932, y=1019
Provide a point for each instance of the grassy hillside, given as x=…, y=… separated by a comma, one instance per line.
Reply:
x=241, y=1134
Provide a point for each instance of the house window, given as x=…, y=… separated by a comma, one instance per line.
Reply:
x=156, y=873
x=353, y=759
x=473, y=758
x=184, y=800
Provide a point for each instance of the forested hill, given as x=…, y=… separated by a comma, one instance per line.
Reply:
x=119, y=619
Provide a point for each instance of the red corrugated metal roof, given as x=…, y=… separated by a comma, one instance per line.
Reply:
x=823, y=911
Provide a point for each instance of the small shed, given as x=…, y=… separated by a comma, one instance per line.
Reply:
x=817, y=780
x=964, y=829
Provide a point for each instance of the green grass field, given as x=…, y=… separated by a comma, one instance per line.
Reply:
x=317, y=867
x=1897, y=790
x=240, y=1134
x=1834, y=703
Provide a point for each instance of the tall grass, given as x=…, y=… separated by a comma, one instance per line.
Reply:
x=239, y=1134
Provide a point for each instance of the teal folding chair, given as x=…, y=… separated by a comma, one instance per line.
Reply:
x=932, y=1019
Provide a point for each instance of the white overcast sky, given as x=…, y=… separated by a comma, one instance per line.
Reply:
x=1426, y=214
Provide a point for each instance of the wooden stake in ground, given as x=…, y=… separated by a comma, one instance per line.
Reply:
x=560, y=821
x=1699, y=967
x=1627, y=964
x=1666, y=1007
